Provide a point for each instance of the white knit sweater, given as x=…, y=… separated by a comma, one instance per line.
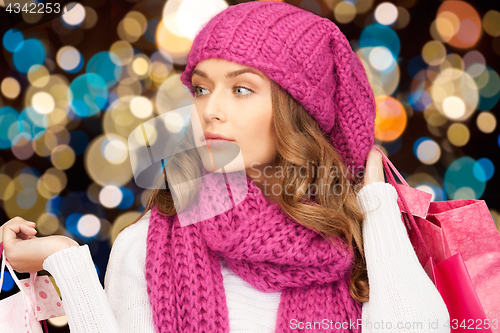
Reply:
x=401, y=293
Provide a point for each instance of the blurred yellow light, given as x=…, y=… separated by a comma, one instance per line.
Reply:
x=63, y=157
x=10, y=87
x=433, y=53
x=185, y=18
x=386, y=13
x=68, y=58
x=447, y=25
x=454, y=107
x=141, y=107
x=486, y=122
x=47, y=224
x=176, y=46
x=7, y=187
x=38, y=76
x=344, y=12
x=88, y=225
x=114, y=150
x=110, y=196
x=43, y=102
x=173, y=122
x=121, y=223
x=458, y=134
x=140, y=66
x=90, y=18
x=100, y=169
x=491, y=23
x=428, y=152
x=75, y=15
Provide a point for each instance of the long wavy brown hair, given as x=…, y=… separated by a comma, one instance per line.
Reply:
x=298, y=140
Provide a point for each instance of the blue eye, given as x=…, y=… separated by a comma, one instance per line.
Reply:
x=234, y=87
x=196, y=90
x=245, y=95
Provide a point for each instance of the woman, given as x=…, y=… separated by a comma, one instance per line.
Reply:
x=284, y=86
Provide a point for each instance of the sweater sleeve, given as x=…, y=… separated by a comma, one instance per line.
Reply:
x=123, y=305
x=403, y=298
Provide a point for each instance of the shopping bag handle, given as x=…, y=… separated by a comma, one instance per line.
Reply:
x=410, y=221
x=389, y=163
x=27, y=302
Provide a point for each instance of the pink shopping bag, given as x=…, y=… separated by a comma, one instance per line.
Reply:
x=37, y=300
x=457, y=243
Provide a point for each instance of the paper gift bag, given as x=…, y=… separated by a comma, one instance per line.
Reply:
x=457, y=243
x=36, y=300
x=465, y=227
x=457, y=290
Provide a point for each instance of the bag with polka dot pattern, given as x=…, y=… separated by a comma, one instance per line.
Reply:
x=36, y=301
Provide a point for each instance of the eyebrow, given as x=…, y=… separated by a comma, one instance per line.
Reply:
x=229, y=74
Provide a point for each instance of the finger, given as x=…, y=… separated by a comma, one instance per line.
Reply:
x=21, y=221
x=10, y=232
x=23, y=236
x=17, y=220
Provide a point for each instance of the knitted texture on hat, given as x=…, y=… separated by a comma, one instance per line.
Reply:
x=262, y=245
x=306, y=55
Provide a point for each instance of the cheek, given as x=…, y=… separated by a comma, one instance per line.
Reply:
x=256, y=122
x=257, y=139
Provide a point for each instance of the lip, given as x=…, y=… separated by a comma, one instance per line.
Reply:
x=217, y=143
x=214, y=137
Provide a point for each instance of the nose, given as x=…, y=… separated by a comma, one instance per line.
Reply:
x=214, y=108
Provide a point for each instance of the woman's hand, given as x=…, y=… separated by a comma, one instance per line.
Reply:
x=374, y=171
x=24, y=251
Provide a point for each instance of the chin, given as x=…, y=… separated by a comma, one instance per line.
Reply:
x=229, y=159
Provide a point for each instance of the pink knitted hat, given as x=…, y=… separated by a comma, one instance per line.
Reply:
x=306, y=55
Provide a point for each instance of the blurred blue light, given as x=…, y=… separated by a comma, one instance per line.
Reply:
x=483, y=169
x=419, y=99
x=72, y=224
x=32, y=123
x=459, y=175
x=418, y=142
x=8, y=126
x=106, y=65
x=380, y=35
x=12, y=40
x=30, y=53
x=127, y=200
x=87, y=94
x=53, y=205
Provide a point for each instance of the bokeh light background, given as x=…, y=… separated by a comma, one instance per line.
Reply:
x=73, y=89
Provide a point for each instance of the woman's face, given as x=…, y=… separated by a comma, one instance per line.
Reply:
x=235, y=101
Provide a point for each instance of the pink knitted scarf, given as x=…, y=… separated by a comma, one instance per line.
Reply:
x=263, y=246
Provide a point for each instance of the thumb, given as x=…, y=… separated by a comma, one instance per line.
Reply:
x=10, y=232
